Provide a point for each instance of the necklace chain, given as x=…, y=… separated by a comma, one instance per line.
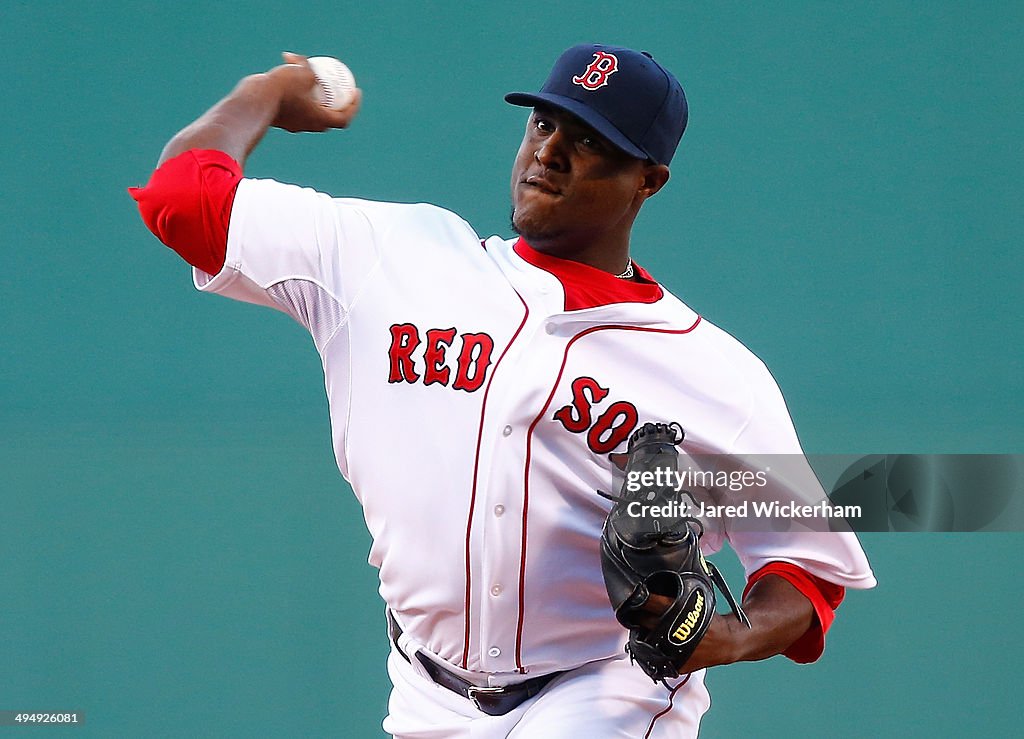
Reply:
x=626, y=273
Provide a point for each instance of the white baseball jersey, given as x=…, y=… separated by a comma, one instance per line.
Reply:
x=476, y=390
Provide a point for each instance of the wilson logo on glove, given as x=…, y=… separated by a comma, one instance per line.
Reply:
x=685, y=629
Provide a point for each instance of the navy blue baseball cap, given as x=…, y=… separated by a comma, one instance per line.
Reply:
x=623, y=94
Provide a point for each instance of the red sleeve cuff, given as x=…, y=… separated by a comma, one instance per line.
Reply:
x=187, y=205
x=823, y=595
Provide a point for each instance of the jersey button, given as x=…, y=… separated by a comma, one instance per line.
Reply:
x=550, y=328
x=494, y=652
x=499, y=510
x=496, y=590
x=506, y=431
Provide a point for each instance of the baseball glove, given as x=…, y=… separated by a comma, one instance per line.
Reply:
x=647, y=553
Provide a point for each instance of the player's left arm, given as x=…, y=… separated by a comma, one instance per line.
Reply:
x=795, y=580
x=779, y=614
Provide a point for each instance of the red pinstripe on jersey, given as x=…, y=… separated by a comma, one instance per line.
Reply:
x=526, y=473
x=476, y=470
x=671, y=698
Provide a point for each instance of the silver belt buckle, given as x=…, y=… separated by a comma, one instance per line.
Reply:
x=473, y=691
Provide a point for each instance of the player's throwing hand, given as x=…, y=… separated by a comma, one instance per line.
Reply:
x=299, y=108
x=285, y=97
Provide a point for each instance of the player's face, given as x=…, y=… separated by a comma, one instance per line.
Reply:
x=570, y=184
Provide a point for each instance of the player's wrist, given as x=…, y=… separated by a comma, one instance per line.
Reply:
x=267, y=99
x=263, y=90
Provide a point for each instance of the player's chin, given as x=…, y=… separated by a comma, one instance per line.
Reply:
x=531, y=225
x=533, y=219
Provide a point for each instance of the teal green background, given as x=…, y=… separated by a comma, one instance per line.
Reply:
x=178, y=553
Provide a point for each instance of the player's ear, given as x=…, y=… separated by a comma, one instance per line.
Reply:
x=654, y=178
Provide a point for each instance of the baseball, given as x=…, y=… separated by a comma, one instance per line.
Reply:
x=335, y=83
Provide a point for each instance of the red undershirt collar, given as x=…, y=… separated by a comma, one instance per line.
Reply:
x=589, y=287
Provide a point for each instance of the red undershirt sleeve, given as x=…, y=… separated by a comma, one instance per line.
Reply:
x=823, y=595
x=187, y=205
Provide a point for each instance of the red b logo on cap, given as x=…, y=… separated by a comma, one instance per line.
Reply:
x=597, y=74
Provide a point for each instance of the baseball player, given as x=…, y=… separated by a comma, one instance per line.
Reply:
x=514, y=371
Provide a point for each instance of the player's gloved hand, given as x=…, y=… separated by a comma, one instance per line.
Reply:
x=298, y=108
x=660, y=585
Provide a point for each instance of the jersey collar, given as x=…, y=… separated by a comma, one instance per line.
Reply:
x=589, y=287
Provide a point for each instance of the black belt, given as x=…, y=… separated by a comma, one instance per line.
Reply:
x=492, y=701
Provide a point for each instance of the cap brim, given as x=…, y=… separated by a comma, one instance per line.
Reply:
x=586, y=114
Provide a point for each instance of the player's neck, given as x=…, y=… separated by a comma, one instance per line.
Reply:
x=608, y=255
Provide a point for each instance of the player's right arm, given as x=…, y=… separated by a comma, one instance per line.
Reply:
x=283, y=98
x=188, y=201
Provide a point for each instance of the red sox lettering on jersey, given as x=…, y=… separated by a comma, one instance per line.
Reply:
x=604, y=433
x=611, y=428
x=473, y=359
x=596, y=75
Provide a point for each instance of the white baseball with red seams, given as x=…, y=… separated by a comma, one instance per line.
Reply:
x=335, y=83
x=489, y=372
